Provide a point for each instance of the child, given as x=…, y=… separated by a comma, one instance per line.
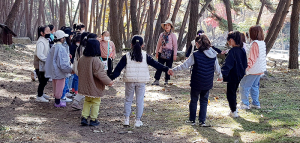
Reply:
x=107, y=53
x=256, y=68
x=204, y=62
x=58, y=67
x=234, y=68
x=40, y=56
x=135, y=77
x=75, y=44
x=79, y=54
x=92, y=81
x=52, y=31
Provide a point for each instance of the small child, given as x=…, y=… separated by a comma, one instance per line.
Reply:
x=234, y=68
x=135, y=77
x=205, y=63
x=92, y=81
x=58, y=67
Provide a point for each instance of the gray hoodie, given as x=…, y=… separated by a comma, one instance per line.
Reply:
x=58, y=62
x=210, y=53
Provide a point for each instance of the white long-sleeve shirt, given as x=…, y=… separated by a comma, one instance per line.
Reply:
x=42, y=48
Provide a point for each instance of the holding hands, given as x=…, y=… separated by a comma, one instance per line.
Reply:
x=170, y=72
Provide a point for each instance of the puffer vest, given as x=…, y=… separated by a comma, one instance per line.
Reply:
x=260, y=65
x=136, y=71
x=203, y=71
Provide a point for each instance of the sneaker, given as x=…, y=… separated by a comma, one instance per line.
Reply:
x=94, y=123
x=138, y=123
x=41, y=99
x=126, y=121
x=61, y=104
x=66, y=99
x=156, y=82
x=190, y=122
x=46, y=96
x=76, y=106
x=68, y=94
x=234, y=114
x=84, y=121
x=243, y=106
x=202, y=124
x=255, y=107
x=166, y=82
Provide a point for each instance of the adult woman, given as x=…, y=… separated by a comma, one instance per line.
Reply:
x=40, y=56
x=166, y=50
x=108, y=51
x=256, y=68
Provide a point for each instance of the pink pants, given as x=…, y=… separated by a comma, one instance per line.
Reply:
x=58, y=87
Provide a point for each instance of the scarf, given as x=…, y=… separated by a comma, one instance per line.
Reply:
x=165, y=39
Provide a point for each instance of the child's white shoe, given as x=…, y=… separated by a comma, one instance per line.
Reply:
x=234, y=114
x=255, y=106
x=138, y=123
x=126, y=121
x=243, y=106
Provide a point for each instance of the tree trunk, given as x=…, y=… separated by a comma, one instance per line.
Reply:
x=168, y=10
x=294, y=38
x=76, y=12
x=92, y=15
x=143, y=17
x=81, y=15
x=139, y=11
x=161, y=18
x=134, y=21
x=192, y=30
x=127, y=43
x=175, y=11
x=260, y=11
x=62, y=14
x=279, y=26
x=69, y=12
x=228, y=13
x=150, y=40
x=203, y=9
x=99, y=18
x=183, y=42
x=275, y=20
x=120, y=22
x=26, y=16
x=104, y=16
x=86, y=13
x=183, y=26
x=114, y=26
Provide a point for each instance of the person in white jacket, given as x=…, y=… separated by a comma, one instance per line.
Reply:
x=40, y=56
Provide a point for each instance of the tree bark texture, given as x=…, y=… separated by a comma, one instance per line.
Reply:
x=134, y=20
x=182, y=28
x=228, y=13
x=294, y=38
x=192, y=30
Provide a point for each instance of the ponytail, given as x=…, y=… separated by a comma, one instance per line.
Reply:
x=41, y=29
x=136, y=53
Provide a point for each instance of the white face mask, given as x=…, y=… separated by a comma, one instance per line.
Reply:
x=106, y=38
x=77, y=44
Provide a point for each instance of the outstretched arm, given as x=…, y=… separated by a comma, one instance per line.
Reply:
x=117, y=71
x=189, y=62
x=155, y=64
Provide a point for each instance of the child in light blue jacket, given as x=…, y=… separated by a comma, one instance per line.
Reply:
x=58, y=67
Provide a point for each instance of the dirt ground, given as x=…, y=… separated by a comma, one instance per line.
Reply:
x=166, y=109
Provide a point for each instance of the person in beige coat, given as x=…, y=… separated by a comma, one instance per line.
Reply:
x=92, y=81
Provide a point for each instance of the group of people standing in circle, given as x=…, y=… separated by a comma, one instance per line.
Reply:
x=80, y=65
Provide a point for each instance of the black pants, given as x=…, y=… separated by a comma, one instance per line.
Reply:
x=42, y=82
x=109, y=64
x=163, y=62
x=231, y=94
x=203, y=104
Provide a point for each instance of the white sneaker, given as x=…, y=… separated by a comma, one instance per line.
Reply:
x=138, y=123
x=66, y=99
x=255, y=107
x=68, y=94
x=234, y=114
x=41, y=99
x=243, y=106
x=126, y=121
x=46, y=96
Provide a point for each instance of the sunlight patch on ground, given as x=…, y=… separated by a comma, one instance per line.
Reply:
x=27, y=118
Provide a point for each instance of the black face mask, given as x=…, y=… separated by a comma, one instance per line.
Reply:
x=47, y=36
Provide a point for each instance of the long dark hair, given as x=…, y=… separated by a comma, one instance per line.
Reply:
x=136, y=50
x=51, y=26
x=236, y=36
x=92, y=48
x=41, y=29
x=203, y=41
x=76, y=39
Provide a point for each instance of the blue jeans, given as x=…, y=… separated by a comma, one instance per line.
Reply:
x=250, y=85
x=75, y=82
x=70, y=84
x=66, y=88
x=203, y=104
